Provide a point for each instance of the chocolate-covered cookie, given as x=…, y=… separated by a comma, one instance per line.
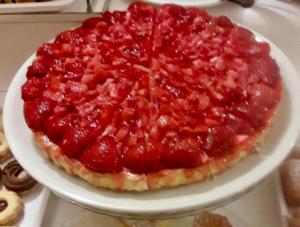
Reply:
x=15, y=178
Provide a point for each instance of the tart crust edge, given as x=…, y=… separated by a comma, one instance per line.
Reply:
x=127, y=181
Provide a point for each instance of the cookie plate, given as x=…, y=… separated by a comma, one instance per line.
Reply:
x=201, y=3
x=168, y=202
x=49, y=6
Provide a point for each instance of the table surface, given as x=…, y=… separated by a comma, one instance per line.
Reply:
x=277, y=20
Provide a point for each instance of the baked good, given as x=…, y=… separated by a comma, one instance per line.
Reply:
x=295, y=153
x=144, y=223
x=1, y=121
x=295, y=212
x=151, y=97
x=10, y=207
x=290, y=177
x=294, y=222
x=4, y=149
x=207, y=219
x=15, y=178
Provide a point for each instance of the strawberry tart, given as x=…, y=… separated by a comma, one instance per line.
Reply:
x=151, y=97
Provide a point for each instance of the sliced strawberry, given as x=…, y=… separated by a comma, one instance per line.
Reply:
x=259, y=49
x=92, y=22
x=102, y=156
x=219, y=141
x=182, y=152
x=241, y=36
x=237, y=125
x=224, y=21
x=46, y=50
x=266, y=69
x=55, y=126
x=154, y=155
x=36, y=111
x=135, y=158
x=263, y=95
x=74, y=37
x=32, y=89
x=141, y=11
x=39, y=68
x=74, y=141
x=114, y=17
x=253, y=114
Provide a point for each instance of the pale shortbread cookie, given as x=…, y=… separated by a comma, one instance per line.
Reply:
x=4, y=149
x=13, y=209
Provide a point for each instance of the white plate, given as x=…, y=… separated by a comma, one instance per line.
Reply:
x=49, y=6
x=201, y=3
x=168, y=202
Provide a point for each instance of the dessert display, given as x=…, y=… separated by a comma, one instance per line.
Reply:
x=151, y=97
x=10, y=207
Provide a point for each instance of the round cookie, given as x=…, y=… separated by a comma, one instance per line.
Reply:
x=10, y=207
x=4, y=149
x=15, y=178
x=144, y=223
x=1, y=121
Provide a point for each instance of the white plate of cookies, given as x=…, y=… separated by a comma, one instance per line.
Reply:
x=199, y=3
x=29, y=6
x=22, y=199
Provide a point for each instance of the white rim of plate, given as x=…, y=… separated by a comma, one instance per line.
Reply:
x=183, y=205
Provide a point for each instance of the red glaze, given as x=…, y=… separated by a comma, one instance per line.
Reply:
x=160, y=88
x=102, y=156
x=55, y=126
x=36, y=111
x=74, y=141
x=33, y=88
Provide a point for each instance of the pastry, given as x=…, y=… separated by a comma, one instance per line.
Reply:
x=4, y=149
x=1, y=121
x=144, y=223
x=15, y=178
x=294, y=222
x=211, y=220
x=151, y=97
x=295, y=212
x=295, y=153
x=10, y=207
x=290, y=177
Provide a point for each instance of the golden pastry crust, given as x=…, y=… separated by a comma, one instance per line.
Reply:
x=128, y=181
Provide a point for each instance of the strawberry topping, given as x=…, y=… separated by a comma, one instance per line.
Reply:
x=149, y=89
